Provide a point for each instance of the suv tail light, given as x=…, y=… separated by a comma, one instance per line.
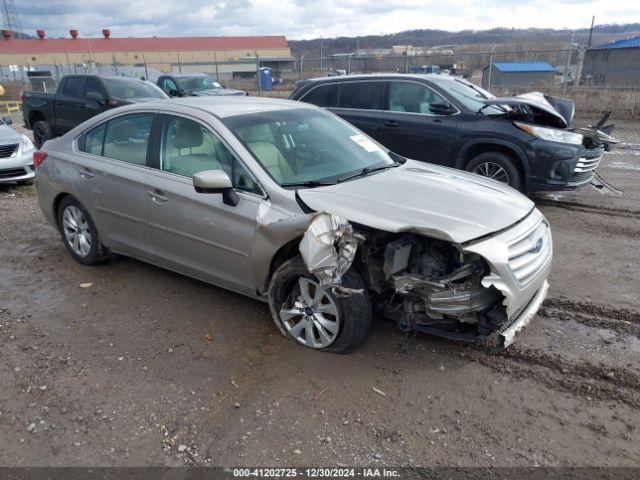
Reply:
x=38, y=158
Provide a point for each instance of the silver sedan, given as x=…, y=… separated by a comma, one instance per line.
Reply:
x=287, y=203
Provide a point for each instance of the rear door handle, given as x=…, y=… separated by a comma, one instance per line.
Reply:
x=86, y=173
x=391, y=123
x=157, y=196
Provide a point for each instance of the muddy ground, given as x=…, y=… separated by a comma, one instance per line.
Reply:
x=123, y=372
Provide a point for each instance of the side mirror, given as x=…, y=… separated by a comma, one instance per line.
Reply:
x=443, y=108
x=173, y=92
x=216, y=181
x=95, y=97
x=7, y=120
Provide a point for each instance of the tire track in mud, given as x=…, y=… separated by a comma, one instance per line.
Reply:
x=621, y=320
x=586, y=379
x=587, y=208
x=558, y=372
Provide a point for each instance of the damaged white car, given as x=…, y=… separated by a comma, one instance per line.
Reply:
x=287, y=203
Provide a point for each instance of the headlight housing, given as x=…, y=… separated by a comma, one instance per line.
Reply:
x=27, y=144
x=551, y=134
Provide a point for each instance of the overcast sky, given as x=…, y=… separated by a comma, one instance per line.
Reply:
x=300, y=19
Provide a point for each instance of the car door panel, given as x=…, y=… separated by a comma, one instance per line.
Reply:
x=116, y=192
x=199, y=235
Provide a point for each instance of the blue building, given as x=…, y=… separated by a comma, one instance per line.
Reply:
x=613, y=64
x=519, y=74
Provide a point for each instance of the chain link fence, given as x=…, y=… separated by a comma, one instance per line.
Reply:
x=567, y=65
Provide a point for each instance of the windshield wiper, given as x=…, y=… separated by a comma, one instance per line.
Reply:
x=308, y=183
x=367, y=170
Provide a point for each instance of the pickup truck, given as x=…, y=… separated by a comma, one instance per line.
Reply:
x=78, y=98
x=194, y=85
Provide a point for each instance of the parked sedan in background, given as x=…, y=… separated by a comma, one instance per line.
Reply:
x=194, y=85
x=16, y=155
x=287, y=203
x=523, y=141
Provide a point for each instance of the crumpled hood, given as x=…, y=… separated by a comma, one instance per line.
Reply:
x=427, y=199
x=562, y=109
x=9, y=135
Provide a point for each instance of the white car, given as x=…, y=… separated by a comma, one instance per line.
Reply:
x=16, y=155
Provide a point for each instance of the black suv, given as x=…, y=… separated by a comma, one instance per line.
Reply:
x=524, y=141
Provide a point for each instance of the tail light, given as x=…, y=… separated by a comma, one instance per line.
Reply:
x=38, y=158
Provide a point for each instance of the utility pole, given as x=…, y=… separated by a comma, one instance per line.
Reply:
x=565, y=77
x=490, y=69
x=215, y=59
x=321, y=53
x=593, y=19
x=258, y=74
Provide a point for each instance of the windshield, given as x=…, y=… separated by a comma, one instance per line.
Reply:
x=129, y=88
x=468, y=94
x=195, y=84
x=306, y=145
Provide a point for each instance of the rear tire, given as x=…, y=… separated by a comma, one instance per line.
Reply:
x=497, y=166
x=79, y=233
x=41, y=133
x=334, y=323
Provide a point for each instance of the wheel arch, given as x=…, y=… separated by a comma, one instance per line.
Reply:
x=36, y=116
x=475, y=147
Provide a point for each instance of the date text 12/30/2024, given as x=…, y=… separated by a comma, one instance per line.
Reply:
x=315, y=473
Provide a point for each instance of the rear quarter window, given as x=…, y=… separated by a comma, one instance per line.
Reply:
x=322, y=95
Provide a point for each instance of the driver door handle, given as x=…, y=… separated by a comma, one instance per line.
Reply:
x=157, y=196
x=391, y=123
x=85, y=173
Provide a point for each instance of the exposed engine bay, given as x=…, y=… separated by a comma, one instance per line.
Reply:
x=420, y=283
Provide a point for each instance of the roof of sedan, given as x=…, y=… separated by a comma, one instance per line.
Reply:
x=229, y=106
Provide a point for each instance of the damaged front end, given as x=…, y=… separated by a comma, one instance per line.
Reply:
x=536, y=109
x=435, y=286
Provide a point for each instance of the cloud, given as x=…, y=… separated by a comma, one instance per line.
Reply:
x=299, y=19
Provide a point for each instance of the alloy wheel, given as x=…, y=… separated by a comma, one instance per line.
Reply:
x=311, y=315
x=76, y=230
x=493, y=171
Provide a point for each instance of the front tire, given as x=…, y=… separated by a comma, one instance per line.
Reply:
x=497, y=166
x=79, y=233
x=315, y=317
x=41, y=133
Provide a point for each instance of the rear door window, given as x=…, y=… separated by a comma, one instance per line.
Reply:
x=73, y=87
x=362, y=95
x=127, y=138
x=322, y=96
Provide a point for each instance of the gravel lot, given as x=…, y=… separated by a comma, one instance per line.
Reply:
x=147, y=367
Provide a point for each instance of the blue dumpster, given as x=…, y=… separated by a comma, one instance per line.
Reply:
x=266, y=79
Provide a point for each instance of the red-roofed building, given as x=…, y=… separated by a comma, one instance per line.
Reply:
x=233, y=56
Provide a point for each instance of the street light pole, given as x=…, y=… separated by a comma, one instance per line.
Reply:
x=320, y=53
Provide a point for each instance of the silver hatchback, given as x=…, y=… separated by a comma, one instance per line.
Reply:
x=287, y=203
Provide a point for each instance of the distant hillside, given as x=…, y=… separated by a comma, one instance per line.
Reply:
x=525, y=38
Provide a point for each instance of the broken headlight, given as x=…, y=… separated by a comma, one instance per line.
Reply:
x=550, y=134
